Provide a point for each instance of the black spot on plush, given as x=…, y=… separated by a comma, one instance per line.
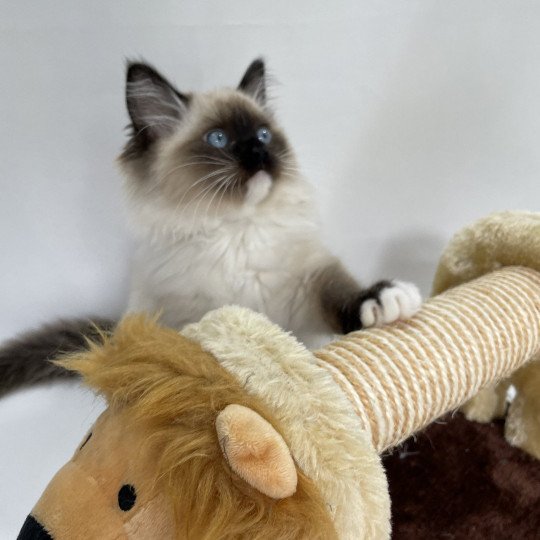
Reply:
x=127, y=497
x=461, y=480
x=33, y=530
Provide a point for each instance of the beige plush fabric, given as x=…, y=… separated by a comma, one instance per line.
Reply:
x=501, y=239
x=319, y=425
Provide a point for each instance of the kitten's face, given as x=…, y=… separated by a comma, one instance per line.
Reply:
x=208, y=153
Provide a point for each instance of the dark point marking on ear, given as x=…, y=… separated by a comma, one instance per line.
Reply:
x=253, y=82
x=154, y=105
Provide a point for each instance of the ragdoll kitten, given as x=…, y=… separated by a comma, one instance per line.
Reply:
x=222, y=216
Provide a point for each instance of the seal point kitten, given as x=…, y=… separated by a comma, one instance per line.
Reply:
x=222, y=216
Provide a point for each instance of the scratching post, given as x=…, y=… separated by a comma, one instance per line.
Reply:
x=400, y=378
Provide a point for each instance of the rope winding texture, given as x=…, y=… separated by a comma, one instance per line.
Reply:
x=401, y=377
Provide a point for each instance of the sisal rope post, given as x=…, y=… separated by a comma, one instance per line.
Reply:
x=402, y=377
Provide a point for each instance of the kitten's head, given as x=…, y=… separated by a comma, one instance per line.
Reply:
x=203, y=153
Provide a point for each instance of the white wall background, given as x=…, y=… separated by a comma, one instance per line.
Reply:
x=412, y=118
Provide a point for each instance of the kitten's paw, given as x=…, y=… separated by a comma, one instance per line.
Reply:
x=388, y=301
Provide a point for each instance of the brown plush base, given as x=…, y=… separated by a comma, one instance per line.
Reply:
x=462, y=480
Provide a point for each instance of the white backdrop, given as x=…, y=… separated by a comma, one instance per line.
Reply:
x=412, y=118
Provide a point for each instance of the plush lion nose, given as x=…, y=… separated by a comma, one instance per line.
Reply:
x=74, y=506
x=33, y=530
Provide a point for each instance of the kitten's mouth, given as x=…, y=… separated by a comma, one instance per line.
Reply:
x=258, y=188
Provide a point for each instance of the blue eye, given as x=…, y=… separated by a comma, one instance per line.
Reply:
x=217, y=138
x=264, y=135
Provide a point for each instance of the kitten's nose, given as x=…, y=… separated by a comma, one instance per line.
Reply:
x=252, y=154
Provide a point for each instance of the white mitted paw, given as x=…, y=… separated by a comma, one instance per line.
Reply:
x=389, y=301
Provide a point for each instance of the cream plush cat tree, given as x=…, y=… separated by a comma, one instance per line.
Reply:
x=233, y=429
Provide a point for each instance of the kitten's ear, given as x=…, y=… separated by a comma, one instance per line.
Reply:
x=254, y=81
x=154, y=105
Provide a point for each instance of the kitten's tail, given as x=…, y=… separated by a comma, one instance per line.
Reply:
x=26, y=359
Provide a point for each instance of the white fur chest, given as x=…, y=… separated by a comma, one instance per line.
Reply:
x=259, y=261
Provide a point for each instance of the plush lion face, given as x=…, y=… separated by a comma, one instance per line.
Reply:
x=106, y=490
x=182, y=452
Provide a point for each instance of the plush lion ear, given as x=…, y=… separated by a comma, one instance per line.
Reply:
x=256, y=451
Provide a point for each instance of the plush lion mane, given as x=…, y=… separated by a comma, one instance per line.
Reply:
x=175, y=389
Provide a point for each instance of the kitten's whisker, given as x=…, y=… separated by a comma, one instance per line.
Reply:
x=202, y=195
x=213, y=173
x=200, y=198
x=290, y=168
x=199, y=160
x=174, y=169
x=205, y=162
x=237, y=183
x=166, y=123
x=228, y=184
x=285, y=153
x=290, y=174
x=224, y=183
x=228, y=156
x=214, y=158
x=289, y=165
x=168, y=173
x=199, y=181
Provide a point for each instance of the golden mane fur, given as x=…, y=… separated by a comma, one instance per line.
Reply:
x=176, y=389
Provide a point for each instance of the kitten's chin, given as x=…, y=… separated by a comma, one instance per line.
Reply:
x=258, y=188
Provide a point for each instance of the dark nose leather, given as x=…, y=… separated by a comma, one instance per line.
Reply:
x=33, y=530
x=251, y=153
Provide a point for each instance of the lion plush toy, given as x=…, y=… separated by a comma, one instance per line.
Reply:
x=501, y=239
x=232, y=429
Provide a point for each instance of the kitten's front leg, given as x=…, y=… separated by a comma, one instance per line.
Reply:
x=348, y=307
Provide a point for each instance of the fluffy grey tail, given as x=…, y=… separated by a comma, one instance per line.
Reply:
x=25, y=360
